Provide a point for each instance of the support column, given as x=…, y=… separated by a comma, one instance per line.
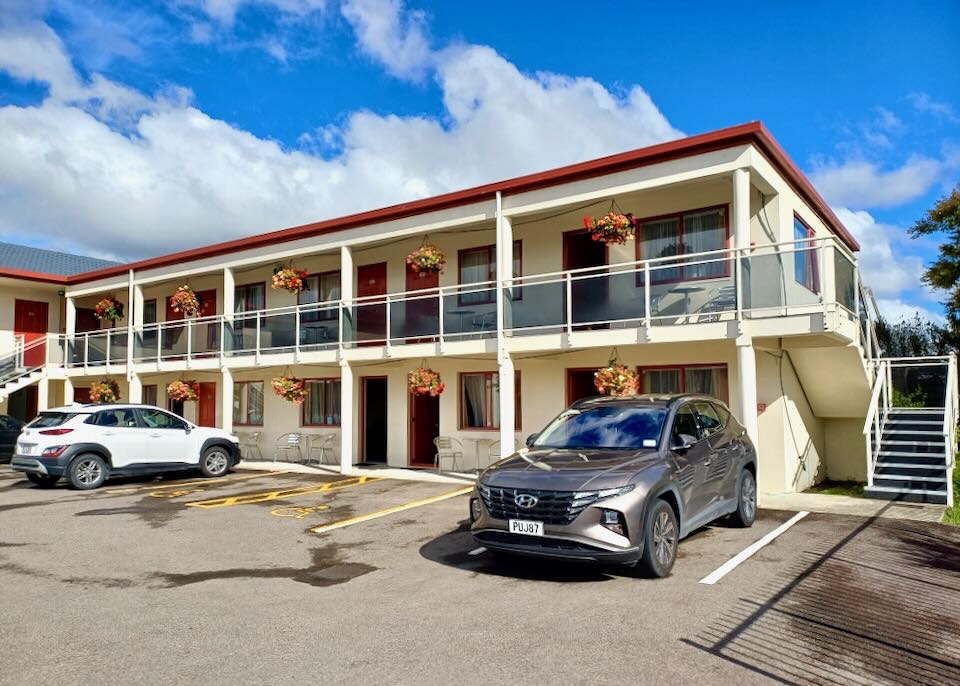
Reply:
x=740, y=219
x=505, y=366
x=131, y=309
x=747, y=379
x=346, y=417
x=68, y=391
x=70, y=319
x=229, y=292
x=226, y=399
x=507, y=406
x=134, y=388
x=43, y=394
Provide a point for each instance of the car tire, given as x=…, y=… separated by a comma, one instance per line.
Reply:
x=661, y=537
x=87, y=472
x=42, y=481
x=746, y=511
x=215, y=461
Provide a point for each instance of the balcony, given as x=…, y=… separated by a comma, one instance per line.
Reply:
x=812, y=282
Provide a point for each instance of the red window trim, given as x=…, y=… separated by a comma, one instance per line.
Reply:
x=461, y=410
x=303, y=407
x=245, y=383
x=156, y=312
x=811, y=275
x=683, y=379
x=492, y=272
x=326, y=314
x=679, y=217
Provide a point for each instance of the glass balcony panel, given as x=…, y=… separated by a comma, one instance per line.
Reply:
x=776, y=281
x=118, y=346
x=366, y=323
x=471, y=312
x=415, y=319
x=616, y=297
x=95, y=348
x=532, y=307
x=204, y=336
x=278, y=331
x=319, y=326
x=845, y=280
x=692, y=290
x=173, y=340
x=240, y=334
x=145, y=344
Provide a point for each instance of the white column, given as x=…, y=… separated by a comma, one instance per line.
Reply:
x=138, y=306
x=346, y=417
x=507, y=406
x=67, y=391
x=134, y=388
x=346, y=273
x=740, y=219
x=70, y=323
x=747, y=378
x=226, y=399
x=504, y=362
x=229, y=291
x=43, y=394
x=131, y=307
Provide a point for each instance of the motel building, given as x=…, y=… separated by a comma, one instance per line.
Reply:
x=740, y=282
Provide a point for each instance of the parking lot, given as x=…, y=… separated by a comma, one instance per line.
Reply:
x=284, y=578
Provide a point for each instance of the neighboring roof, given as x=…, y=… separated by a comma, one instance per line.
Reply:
x=754, y=133
x=24, y=258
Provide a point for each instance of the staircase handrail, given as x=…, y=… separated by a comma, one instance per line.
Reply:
x=950, y=411
x=873, y=425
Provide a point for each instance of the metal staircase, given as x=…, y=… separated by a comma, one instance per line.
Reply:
x=19, y=368
x=910, y=450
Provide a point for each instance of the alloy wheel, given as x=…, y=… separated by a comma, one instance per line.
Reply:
x=748, y=496
x=664, y=537
x=216, y=462
x=88, y=472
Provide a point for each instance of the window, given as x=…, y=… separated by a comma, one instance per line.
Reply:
x=150, y=311
x=150, y=395
x=480, y=400
x=48, y=420
x=708, y=417
x=805, y=257
x=479, y=265
x=320, y=288
x=249, y=298
x=613, y=426
x=158, y=419
x=248, y=403
x=685, y=427
x=706, y=379
x=322, y=406
x=120, y=417
x=684, y=234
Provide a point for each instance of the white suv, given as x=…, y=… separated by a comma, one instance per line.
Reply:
x=89, y=443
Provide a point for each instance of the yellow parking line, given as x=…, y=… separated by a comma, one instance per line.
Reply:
x=267, y=496
x=323, y=528
x=185, y=484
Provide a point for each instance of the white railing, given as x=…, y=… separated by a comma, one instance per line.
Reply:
x=877, y=414
x=951, y=415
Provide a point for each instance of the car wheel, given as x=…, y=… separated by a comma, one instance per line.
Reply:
x=215, y=461
x=43, y=481
x=746, y=510
x=660, y=540
x=87, y=472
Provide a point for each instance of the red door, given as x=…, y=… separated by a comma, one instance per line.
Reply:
x=371, y=319
x=580, y=385
x=86, y=320
x=422, y=316
x=207, y=404
x=205, y=336
x=81, y=394
x=208, y=305
x=30, y=321
x=424, y=427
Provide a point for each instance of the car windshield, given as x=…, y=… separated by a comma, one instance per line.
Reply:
x=47, y=420
x=615, y=426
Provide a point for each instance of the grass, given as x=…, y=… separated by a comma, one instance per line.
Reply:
x=952, y=515
x=854, y=489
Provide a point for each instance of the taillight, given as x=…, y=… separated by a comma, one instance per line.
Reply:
x=53, y=451
x=54, y=432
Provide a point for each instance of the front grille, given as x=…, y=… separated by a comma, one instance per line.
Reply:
x=553, y=507
x=545, y=544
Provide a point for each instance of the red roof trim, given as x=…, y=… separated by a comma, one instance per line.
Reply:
x=753, y=132
x=25, y=275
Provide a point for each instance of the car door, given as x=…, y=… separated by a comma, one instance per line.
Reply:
x=10, y=429
x=168, y=437
x=723, y=449
x=692, y=461
x=119, y=432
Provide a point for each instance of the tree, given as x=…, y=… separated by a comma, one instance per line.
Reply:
x=914, y=337
x=944, y=273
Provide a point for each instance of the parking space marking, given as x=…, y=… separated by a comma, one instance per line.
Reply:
x=187, y=484
x=323, y=528
x=282, y=494
x=731, y=564
x=298, y=512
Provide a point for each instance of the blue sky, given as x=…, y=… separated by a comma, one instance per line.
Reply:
x=200, y=120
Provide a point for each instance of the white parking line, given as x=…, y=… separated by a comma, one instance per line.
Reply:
x=731, y=564
x=477, y=551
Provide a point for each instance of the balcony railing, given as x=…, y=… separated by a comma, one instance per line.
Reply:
x=796, y=277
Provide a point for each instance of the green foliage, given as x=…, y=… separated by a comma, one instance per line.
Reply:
x=853, y=489
x=952, y=515
x=944, y=273
x=914, y=337
x=914, y=398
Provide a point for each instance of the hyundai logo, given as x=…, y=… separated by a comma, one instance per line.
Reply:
x=525, y=500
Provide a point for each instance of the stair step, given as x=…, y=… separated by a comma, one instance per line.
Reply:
x=918, y=432
x=910, y=477
x=906, y=494
x=931, y=422
x=910, y=465
x=904, y=453
x=892, y=441
x=915, y=410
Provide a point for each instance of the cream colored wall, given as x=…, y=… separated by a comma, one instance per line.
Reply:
x=846, y=451
x=8, y=297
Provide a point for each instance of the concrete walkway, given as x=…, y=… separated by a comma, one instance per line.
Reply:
x=427, y=475
x=861, y=507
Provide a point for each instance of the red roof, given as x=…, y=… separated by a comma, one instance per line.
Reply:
x=752, y=133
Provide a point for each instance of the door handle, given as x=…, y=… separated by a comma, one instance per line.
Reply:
x=154, y=435
x=706, y=463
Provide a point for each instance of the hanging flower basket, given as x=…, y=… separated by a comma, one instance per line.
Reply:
x=184, y=300
x=109, y=308
x=613, y=227
x=427, y=258
x=290, y=388
x=616, y=379
x=290, y=279
x=105, y=391
x=182, y=390
x=424, y=381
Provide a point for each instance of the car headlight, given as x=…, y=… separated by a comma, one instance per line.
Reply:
x=475, y=511
x=604, y=493
x=483, y=490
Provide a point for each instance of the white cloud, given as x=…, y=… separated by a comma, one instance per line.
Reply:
x=391, y=34
x=115, y=171
x=895, y=309
x=224, y=12
x=941, y=110
x=859, y=183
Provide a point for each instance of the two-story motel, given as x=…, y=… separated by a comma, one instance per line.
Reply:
x=741, y=282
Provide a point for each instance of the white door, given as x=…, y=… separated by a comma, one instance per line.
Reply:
x=119, y=433
x=168, y=438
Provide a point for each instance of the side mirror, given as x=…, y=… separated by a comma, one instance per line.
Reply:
x=683, y=443
x=531, y=438
x=188, y=429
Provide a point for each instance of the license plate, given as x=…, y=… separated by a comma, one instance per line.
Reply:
x=520, y=526
x=26, y=448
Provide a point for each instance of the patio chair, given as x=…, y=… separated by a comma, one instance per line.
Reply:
x=493, y=451
x=722, y=299
x=448, y=448
x=485, y=322
x=250, y=445
x=289, y=444
x=323, y=445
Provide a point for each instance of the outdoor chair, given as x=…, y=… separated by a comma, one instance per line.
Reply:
x=250, y=445
x=288, y=445
x=448, y=449
x=485, y=322
x=493, y=451
x=323, y=445
x=722, y=299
